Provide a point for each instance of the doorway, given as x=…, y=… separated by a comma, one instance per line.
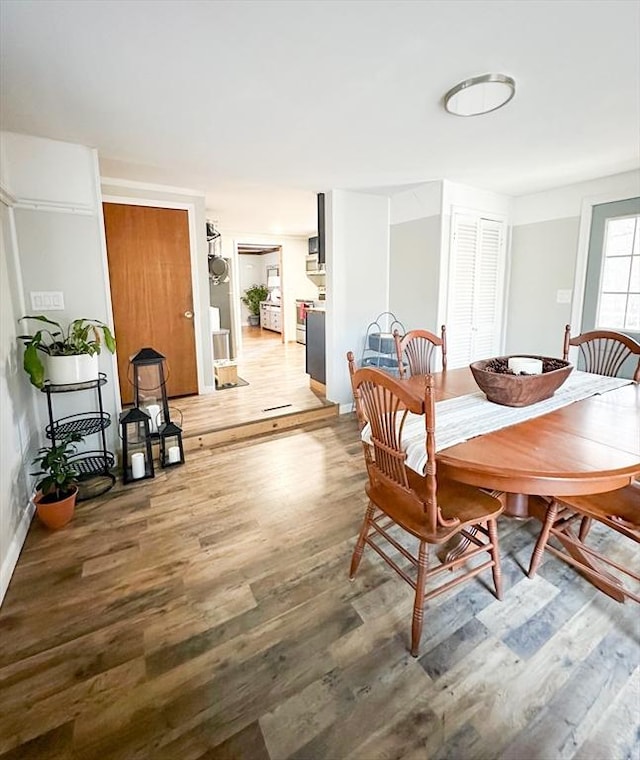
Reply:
x=149, y=259
x=260, y=264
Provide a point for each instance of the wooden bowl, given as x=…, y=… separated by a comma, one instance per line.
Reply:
x=520, y=390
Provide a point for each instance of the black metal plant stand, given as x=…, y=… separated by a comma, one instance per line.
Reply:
x=93, y=467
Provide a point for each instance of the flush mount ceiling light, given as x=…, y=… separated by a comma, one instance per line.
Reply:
x=480, y=95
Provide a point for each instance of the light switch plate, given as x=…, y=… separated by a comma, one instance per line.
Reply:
x=563, y=296
x=42, y=300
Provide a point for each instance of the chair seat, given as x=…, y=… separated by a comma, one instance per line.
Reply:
x=456, y=500
x=620, y=508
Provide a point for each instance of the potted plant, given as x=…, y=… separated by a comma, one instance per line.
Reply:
x=56, y=493
x=72, y=353
x=252, y=298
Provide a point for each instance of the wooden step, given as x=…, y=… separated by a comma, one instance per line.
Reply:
x=260, y=427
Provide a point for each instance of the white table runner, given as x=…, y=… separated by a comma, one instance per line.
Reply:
x=465, y=417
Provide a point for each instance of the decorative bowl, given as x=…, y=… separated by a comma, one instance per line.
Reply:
x=501, y=386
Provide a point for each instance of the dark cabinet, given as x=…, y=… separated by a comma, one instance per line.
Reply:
x=321, y=235
x=315, y=346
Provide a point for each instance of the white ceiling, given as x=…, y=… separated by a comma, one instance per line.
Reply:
x=262, y=104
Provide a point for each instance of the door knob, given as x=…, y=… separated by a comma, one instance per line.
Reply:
x=188, y=314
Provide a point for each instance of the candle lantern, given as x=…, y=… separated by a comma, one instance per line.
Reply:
x=137, y=455
x=150, y=386
x=171, y=449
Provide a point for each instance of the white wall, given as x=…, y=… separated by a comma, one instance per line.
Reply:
x=19, y=428
x=357, y=263
x=54, y=229
x=415, y=252
x=418, y=203
x=566, y=202
x=548, y=254
x=543, y=259
x=414, y=272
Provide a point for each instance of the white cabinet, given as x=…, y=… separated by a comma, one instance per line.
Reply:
x=270, y=317
x=476, y=289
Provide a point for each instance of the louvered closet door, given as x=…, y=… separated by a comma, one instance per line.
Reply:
x=476, y=284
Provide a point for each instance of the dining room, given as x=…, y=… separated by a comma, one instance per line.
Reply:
x=432, y=572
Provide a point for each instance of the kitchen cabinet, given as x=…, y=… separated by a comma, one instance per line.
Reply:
x=315, y=346
x=270, y=317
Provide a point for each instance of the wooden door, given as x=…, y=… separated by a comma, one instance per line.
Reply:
x=150, y=274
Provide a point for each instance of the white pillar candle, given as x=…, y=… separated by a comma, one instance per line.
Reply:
x=174, y=454
x=153, y=410
x=525, y=364
x=137, y=465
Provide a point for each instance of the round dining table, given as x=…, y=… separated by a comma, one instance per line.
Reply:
x=590, y=446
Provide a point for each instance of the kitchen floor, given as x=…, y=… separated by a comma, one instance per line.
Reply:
x=277, y=385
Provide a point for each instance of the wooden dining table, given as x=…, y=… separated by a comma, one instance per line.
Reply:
x=590, y=446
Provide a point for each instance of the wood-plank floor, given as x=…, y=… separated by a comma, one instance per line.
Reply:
x=208, y=614
x=278, y=389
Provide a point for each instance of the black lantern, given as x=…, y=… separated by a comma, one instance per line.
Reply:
x=171, y=449
x=150, y=387
x=137, y=455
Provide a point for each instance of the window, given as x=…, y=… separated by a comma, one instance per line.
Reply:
x=619, y=289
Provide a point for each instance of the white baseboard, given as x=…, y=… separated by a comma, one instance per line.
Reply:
x=15, y=547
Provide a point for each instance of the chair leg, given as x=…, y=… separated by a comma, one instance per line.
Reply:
x=552, y=511
x=492, y=527
x=357, y=552
x=585, y=527
x=418, y=604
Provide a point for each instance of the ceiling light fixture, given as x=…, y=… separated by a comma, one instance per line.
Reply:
x=479, y=95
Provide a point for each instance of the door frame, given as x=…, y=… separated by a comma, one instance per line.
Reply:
x=236, y=318
x=203, y=387
x=582, y=258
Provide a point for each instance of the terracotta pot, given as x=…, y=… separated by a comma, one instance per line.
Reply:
x=56, y=514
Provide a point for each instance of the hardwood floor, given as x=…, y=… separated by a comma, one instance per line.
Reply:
x=207, y=614
x=277, y=397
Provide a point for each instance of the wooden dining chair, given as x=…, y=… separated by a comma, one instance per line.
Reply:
x=618, y=510
x=418, y=348
x=434, y=511
x=603, y=352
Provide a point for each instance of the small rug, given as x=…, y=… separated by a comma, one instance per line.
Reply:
x=235, y=385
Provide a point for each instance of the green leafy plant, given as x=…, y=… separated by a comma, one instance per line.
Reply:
x=253, y=296
x=82, y=336
x=60, y=475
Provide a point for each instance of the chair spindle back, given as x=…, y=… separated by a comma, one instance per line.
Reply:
x=418, y=348
x=603, y=351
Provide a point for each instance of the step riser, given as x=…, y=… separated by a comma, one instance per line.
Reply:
x=258, y=428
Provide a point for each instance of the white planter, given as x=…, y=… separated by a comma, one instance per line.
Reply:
x=68, y=370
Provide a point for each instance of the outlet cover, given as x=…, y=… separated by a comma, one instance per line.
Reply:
x=42, y=300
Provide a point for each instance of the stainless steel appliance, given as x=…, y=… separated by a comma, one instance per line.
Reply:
x=301, y=319
x=311, y=264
